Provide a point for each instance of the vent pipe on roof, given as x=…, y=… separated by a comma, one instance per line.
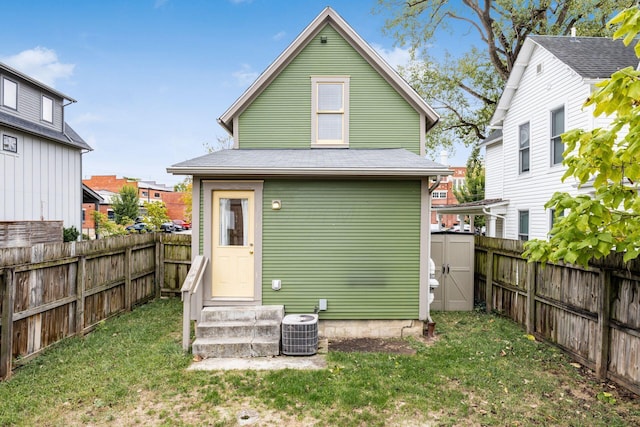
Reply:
x=573, y=31
x=444, y=158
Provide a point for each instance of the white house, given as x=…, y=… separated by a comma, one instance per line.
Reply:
x=40, y=155
x=552, y=78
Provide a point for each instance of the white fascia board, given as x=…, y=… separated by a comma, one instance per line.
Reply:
x=378, y=172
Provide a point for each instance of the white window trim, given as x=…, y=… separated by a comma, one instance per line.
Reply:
x=42, y=110
x=552, y=136
x=315, y=81
x=520, y=149
x=5, y=79
x=520, y=233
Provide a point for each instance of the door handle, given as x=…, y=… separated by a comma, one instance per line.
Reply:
x=444, y=269
x=250, y=248
x=447, y=268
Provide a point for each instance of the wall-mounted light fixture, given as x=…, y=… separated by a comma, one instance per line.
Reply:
x=276, y=205
x=323, y=39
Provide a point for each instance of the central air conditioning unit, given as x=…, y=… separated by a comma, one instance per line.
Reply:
x=300, y=334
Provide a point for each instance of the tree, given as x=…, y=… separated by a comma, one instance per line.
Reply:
x=609, y=159
x=126, y=205
x=465, y=89
x=156, y=214
x=105, y=227
x=186, y=188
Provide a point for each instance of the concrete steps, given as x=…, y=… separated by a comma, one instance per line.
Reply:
x=238, y=332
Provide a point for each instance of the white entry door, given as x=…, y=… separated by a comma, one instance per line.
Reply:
x=233, y=245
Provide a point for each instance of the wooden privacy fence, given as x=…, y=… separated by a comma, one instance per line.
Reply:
x=53, y=291
x=591, y=313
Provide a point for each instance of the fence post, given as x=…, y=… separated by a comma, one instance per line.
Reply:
x=127, y=278
x=530, y=311
x=488, y=294
x=604, y=314
x=159, y=266
x=7, y=291
x=81, y=285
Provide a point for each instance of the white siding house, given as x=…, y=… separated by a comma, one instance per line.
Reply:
x=543, y=98
x=40, y=155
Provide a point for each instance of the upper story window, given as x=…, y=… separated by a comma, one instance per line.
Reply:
x=557, y=129
x=47, y=109
x=523, y=225
x=145, y=194
x=523, y=137
x=10, y=143
x=156, y=195
x=9, y=93
x=330, y=111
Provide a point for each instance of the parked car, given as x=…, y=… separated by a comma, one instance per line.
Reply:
x=167, y=227
x=182, y=224
x=139, y=227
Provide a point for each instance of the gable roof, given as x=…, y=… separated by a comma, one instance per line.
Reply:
x=329, y=17
x=384, y=162
x=592, y=58
x=16, y=73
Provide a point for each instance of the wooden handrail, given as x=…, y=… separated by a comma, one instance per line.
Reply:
x=189, y=288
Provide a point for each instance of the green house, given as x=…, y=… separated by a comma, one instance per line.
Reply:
x=323, y=203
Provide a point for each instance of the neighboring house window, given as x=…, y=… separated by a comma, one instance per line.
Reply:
x=47, y=109
x=10, y=143
x=439, y=195
x=111, y=214
x=524, y=147
x=553, y=218
x=84, y=215
x=330, y=110
x=523, y=225
x=557, y=129
x=156, y=195
x=145, y=194
x=9, y=93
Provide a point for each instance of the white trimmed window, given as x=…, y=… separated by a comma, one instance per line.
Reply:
x=9, y=93
x=557, y=129
x=523, y=225
x=47, y=109
x=9, y=143
x=330, y=111
x=523, y=136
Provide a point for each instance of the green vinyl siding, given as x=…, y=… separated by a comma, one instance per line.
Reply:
x=355, y=243
x=280, y=117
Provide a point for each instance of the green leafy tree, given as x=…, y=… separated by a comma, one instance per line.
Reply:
x=156, y=214
x=465, y=88
x=186, y=188
x=105, y=227
x=473, y=189
x=126, y=204
x=609, y=159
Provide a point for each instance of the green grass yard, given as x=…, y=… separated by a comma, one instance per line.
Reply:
x=481, y=370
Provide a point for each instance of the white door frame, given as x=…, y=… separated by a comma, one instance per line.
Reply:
x=207, y=189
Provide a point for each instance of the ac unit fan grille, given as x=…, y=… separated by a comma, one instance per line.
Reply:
x=300, y=335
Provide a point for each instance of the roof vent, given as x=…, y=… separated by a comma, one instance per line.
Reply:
x=539, y=68
x=573, y=31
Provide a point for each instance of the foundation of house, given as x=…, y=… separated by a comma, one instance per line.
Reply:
x=370, y=328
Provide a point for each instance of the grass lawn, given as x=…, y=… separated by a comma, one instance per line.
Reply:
x=481, y=370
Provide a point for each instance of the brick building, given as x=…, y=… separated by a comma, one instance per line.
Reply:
x=148, y=191
x=443, y=195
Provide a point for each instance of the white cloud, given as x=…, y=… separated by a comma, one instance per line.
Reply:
x=245, y=75
x=395, y=57
x=41, y=64
x=279, y=36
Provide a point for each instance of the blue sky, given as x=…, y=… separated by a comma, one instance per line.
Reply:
x=152, y=76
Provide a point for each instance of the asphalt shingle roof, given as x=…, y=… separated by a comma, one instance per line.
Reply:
x=590, y=57
x=71, y=138
x=317, y=161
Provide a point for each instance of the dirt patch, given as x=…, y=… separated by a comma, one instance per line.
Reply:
x=372, y=345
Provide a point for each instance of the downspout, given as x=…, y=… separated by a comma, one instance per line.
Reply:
x=432, y=187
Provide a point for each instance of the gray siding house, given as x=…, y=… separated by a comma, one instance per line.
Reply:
x=40, y=155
